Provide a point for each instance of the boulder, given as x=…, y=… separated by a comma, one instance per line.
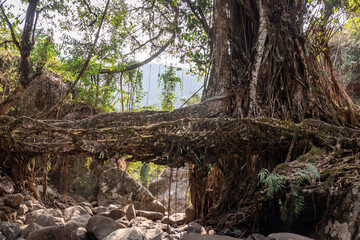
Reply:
x=155, y=206
x=115, y=206
x=150, y=215
x=43, y=93
x=36, y=206
x=141, y=222
x=7, y=213
x=119, y=187
x=88, y=210
x=256, y=236
x=9, y=230
x=149, y=233
x=52, y=233
x=130, y=212
x=195, y=236
x=125, y=234
x=100, y=209
x=6, y=186
x=287, y=236
x=163, y=236
x=77, y=215
x=81, y=234
x=81, y=182
x=190, y=214
x=47, y=220
x=123, y=221
x=196, y=228
x=13, y=200
x=177, y=218
x=23, y=209
x=30, y=217
x=159, y=187
x=86, y=204
x=100, y=226
x=114, y=214
x=27, y=229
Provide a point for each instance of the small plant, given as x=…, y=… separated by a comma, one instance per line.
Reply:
x=276, y=183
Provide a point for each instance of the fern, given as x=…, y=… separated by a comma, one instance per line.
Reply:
x=312, y=171
x=298, y=205
x=263, y=175
x=275, y=183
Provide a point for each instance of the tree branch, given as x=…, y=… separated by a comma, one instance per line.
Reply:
x=13, y=37
x=137, y=65
x=86, y=63
x=201, y=18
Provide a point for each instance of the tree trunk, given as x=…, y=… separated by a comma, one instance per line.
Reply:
x=265, y=66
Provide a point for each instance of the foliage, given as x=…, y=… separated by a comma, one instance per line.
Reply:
x=168, y=82
x=277, y=183
x=144, y=173
x=193, y=100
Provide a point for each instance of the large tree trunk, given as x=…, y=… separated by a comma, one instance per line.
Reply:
x=265, y=66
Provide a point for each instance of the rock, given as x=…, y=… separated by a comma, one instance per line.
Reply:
x=119, y=187
x=28, y=203
x=100, y=226
x=23, y=209
x=86, y=204
x=256, y=236
x=50, y=194
x=52, y=233
x=196, y=228
x=123, y=221
x=115, y=206
x=149, y=233
x=47, y=220
x=130, y=212
x=190, y=213
x=177, y=218
x=7, y=214
x=287, y=236
x=163, y=236
x=81, y=234
x=81, y=182
x=45, y=217
x=100, y=209
x=28, y=229
x=150, y=215
x=114, y=214
x=77, y=215
x=13, y=200
x=141, y=222
x=88, y=210
x=125, y=234
x=6, y=186
x=195, y=236
x=159, y=187
x=36, y=207
x=155, y=206
x=2, y=237
x=60, y=205
x=9, y=230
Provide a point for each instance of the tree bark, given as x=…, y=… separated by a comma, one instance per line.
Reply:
x=264, y=65
x=25, y=47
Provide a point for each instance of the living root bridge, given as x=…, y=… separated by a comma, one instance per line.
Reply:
x=150, y=138
x=233, y=151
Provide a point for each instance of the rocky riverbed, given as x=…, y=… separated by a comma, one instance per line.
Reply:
x=24, y=217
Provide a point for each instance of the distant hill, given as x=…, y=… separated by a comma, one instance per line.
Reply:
x=152, y=72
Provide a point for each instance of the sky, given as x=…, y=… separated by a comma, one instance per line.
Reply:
x=163, y=59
